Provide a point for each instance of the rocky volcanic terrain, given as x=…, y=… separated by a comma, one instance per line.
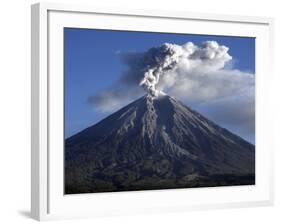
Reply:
x=156, y=143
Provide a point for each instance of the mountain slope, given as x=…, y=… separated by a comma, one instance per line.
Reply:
x=152, y=144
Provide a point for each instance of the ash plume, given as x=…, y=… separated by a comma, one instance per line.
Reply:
x=160, y=61
x=200, y=75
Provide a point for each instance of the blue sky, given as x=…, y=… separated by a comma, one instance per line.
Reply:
x=92, y=64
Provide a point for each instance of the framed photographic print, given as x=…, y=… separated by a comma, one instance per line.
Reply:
x=148, y=111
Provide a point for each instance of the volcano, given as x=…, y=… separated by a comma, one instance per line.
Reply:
x=156, y=143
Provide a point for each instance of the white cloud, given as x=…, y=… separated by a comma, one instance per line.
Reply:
x=197, y=87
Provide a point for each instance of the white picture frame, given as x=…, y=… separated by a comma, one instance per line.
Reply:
x=47, y=198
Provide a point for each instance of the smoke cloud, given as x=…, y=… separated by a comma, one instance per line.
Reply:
x=201, y=76
x=161, y=61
